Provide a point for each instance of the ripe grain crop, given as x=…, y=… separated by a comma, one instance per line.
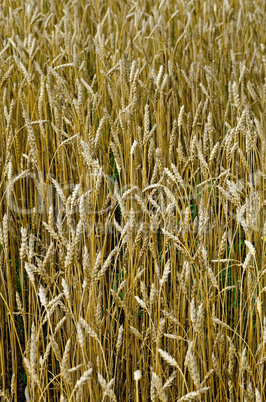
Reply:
x=132, y=220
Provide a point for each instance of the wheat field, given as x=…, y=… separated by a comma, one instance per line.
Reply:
x=132, y=220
